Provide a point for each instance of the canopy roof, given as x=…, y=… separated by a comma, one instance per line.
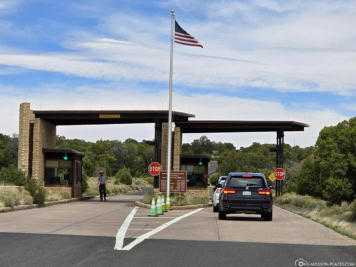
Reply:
x=181, y=119
x=200, y=126
x=87, y=117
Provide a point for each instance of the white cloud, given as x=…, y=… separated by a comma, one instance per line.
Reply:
x=8, y=5
x=284, y=45
x=308, y=47
x=205, y=107
x=351, y=107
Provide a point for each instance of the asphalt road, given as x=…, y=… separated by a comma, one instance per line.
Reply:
x=84, y=234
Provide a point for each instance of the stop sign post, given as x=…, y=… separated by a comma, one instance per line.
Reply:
x=280, y=174
x=154, y=168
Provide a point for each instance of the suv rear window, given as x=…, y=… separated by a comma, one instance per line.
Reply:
x=239, y=181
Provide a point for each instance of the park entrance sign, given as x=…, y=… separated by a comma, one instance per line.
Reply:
x=154, y=168
x=279, y=174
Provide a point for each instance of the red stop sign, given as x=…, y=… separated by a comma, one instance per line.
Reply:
x=279, y=174
x=154, y=169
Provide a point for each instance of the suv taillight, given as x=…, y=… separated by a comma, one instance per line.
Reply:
x=266, y=192
x=229, y=191
x=218, y=190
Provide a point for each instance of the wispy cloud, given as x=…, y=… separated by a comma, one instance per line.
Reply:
x=269, y=46
x=351, y=107
x=289, y=47
x=9, y=6
x=220, y=107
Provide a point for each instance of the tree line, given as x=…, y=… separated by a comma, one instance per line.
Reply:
x=112, y=155
x=329, y=172
x=326, y=170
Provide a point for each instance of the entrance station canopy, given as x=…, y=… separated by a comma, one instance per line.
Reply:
x=158, y=117
x=239, y=126
x=88, y=117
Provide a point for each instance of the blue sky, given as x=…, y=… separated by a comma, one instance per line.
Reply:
x=262, y=60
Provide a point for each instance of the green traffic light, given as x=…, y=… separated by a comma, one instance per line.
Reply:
x=65, y=157
x=200, y=163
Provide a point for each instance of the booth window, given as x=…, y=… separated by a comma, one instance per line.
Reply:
x=195, y=174
x=58, y=172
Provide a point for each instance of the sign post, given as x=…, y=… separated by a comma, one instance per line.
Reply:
x=279, y=173
x=178, y=182
x=154, y=168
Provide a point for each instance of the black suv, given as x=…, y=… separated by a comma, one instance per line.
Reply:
x=245, y=192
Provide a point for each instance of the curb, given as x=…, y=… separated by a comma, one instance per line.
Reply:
x=46, y=204
x=187, y=207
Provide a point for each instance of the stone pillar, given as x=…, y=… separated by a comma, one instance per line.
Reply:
x=177, y=148
x=26, y=116
x=44, y=136
x=164, y=147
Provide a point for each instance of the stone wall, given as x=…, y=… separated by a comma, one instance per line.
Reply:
x=164, y=150
x=11, y=188
x=177, y=148
x=44, y=136
x=26, y=116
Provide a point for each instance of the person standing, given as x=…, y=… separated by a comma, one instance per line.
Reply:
x=102, y=185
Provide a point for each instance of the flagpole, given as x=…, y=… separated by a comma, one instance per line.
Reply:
x=170, y=109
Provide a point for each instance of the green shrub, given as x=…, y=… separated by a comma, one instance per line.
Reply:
x=26, y=198
x=8, y=198
x=55, y=196
x=91, y=192
x=147, y=199
x=286, y=198
x=214, y=178
x=15, y=198
x=85, y=185
x=336, y=190
x=291, y=187
x=11, y=175
x=149, y=180
x=40, y=196
x=198, y=200
x=36, y=191
x=305, y=202
x=179, y=200
x=108, y=191
x=123, y=189
x=353, y=210
x=123, y=177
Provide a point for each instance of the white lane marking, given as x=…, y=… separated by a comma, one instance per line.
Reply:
x=144, y=222
x=123, y=229
x=140, y=229
x=158, y=229
x=148, y=217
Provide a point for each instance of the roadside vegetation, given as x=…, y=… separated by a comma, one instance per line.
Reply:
x=329, y=172
x=341, y=218
x=182, y=199
x=11, y=198
x=114, y=188
x=326, y=171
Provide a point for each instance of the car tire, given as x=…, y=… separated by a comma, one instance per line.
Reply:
x=215, y=208
x=222, y=215
x=267, y=216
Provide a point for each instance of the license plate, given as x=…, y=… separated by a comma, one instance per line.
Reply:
x=246, y=193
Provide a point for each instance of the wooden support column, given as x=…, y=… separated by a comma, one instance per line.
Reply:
x=279, y=160
x=158, y=149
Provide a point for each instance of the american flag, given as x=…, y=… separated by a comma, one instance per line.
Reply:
x=184, y=38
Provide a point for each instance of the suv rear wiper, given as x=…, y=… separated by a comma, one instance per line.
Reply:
x=251, y=184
